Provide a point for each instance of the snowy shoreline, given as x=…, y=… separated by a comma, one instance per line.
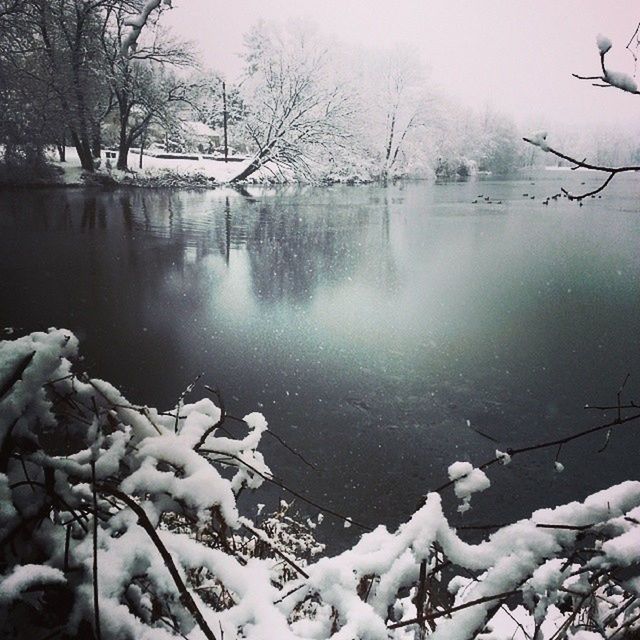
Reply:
x=191, y=172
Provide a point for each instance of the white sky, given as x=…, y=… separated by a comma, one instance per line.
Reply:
x=513, y=56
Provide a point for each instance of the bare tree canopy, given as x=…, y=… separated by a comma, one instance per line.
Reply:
x=296, y=109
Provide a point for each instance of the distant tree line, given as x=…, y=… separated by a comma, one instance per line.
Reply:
x=91, y=74
x=64, y=76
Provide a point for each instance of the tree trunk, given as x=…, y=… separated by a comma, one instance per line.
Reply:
x=84, y=152
x=96, y=141
x=124, y=142
x=123, y=146
x=387, y=165
x=252, y=167
x=224, y=113
x=123, y=154
x=143, y=139
x=61, y=145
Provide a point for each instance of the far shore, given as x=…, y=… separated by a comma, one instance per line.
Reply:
x=191, y=171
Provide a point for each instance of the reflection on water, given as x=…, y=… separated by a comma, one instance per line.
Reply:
x=369, y=324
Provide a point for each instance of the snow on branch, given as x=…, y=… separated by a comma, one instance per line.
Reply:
x=137, y=22
x=466, y=481
x=609, y=78
x=121, y=521
x=540, y=140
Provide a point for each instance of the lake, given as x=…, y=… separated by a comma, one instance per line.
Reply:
x=379, y=329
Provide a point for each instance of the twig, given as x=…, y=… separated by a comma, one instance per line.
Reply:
x=67, y=543
x=567, y=623
x=96, y=598
x=280, y=439
x=620, y=390
x=484, y=435
x=568, y=527
x=606, y=442
x=466, y=605
x=518, y=623
x=480, y=527
x=144, y=521
x=290, y=593
x=621, y=609
x=290, y=448
x=631, y=405
x=26, y=473
x=628, y=623
x=262, y=536
x=181, y=398
x=544, y=445
x=612, y=171
x=220, y=421
x=293, y=492
x=421, y=596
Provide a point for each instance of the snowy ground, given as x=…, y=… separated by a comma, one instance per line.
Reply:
x=219, y=170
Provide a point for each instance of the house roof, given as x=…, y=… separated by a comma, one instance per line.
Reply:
x=199, y=129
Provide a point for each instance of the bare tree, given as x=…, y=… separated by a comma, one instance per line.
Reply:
x=296, y=111
x=608, y=78
x=141, y=79
x=77, y=59
x=51, y=46
x=404, y=101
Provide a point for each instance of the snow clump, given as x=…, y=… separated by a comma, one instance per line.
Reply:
x=467, y=481
x=540, y=140
x=604, y=43
x=621, y=80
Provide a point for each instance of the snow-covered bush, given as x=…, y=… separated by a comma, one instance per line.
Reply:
x=455, y=168
x=168, y=178
x=120, y=521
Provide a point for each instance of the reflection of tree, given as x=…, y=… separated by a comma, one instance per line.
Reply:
x=92, y=212
x=227, y=230
x=119, y=248
x=293, y=245
x=294, y=249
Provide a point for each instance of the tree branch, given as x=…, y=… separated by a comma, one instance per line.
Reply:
x=466, y=605
x=612, y=171
x=145, y=523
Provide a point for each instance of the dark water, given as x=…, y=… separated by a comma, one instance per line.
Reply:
x=369, y=324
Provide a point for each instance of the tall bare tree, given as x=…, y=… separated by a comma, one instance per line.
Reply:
x=52, y=44
x=141, y=78
x=296, y=111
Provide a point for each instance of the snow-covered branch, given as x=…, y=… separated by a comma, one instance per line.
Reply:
x=89, y=480
x=137, y=22
x=540, y=140
x=610, y=78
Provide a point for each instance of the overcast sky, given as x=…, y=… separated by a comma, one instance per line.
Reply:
x=513, y=56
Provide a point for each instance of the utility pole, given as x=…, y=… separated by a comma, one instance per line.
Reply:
x=224, y=119
x=143, y=139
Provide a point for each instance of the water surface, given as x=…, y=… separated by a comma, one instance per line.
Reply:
x=370, y=324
